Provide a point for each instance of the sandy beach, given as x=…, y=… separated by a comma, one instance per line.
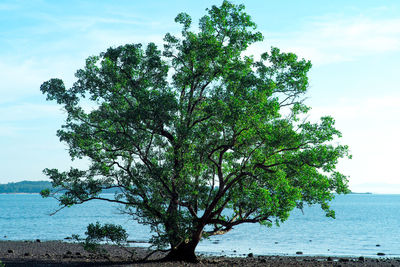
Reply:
x=57, y=253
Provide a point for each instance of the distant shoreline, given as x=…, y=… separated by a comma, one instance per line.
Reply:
x=33, y=187
x=19, y=193
x=25, y=187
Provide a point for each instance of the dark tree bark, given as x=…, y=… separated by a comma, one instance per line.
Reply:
x=183, y=252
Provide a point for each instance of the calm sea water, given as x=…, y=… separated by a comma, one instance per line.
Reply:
x=365, y=225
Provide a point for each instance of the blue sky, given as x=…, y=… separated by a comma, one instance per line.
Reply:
x=354, y=47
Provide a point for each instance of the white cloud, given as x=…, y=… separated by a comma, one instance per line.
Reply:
x=332, y=39
x=29, y=111
x=21, y=120
x=370, y=127
x=17, y=79
x=21, y=78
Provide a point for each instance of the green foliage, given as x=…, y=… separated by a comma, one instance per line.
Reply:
x=107, y=232
x=97, y=233
x=45, y=192
x=190, y=131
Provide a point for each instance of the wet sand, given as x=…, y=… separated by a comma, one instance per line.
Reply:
x=57, y=253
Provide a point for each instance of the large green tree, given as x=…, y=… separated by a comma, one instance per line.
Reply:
x=195, y=129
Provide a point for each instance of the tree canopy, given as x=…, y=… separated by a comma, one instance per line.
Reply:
x=197, y=137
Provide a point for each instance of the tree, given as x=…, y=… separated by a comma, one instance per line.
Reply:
x=197, y=134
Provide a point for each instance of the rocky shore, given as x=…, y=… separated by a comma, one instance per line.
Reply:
x=57, y=253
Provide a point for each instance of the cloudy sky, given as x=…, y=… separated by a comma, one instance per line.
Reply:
x=354, y=47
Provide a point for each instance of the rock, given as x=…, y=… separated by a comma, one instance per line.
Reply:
x=299, y=253
x=250, y=255
x=276, y=242
x=10, y=251
x=361, y=259
x=38, y=240
x=344, y=260
x=234, y=251
x=329, y=259
x=377, y=245
x=68, y=253
x=380, y=254
x=78, y=254
x=27, y=254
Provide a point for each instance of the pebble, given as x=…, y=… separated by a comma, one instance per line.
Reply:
x=10, y=251
x=361, y=259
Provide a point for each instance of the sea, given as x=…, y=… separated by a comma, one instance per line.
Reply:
x=365, y=225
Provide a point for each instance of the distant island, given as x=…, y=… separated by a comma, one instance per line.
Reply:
x=31, y=187
x=24, y=187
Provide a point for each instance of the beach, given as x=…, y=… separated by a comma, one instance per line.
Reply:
x=57, y=253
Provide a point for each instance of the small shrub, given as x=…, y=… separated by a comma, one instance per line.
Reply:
x=97, y=234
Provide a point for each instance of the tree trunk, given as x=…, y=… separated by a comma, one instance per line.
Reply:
x=183, y=252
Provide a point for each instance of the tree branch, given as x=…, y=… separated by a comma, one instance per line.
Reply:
x=190, y=208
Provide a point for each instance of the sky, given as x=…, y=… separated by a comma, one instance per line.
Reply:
x=354, y=47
